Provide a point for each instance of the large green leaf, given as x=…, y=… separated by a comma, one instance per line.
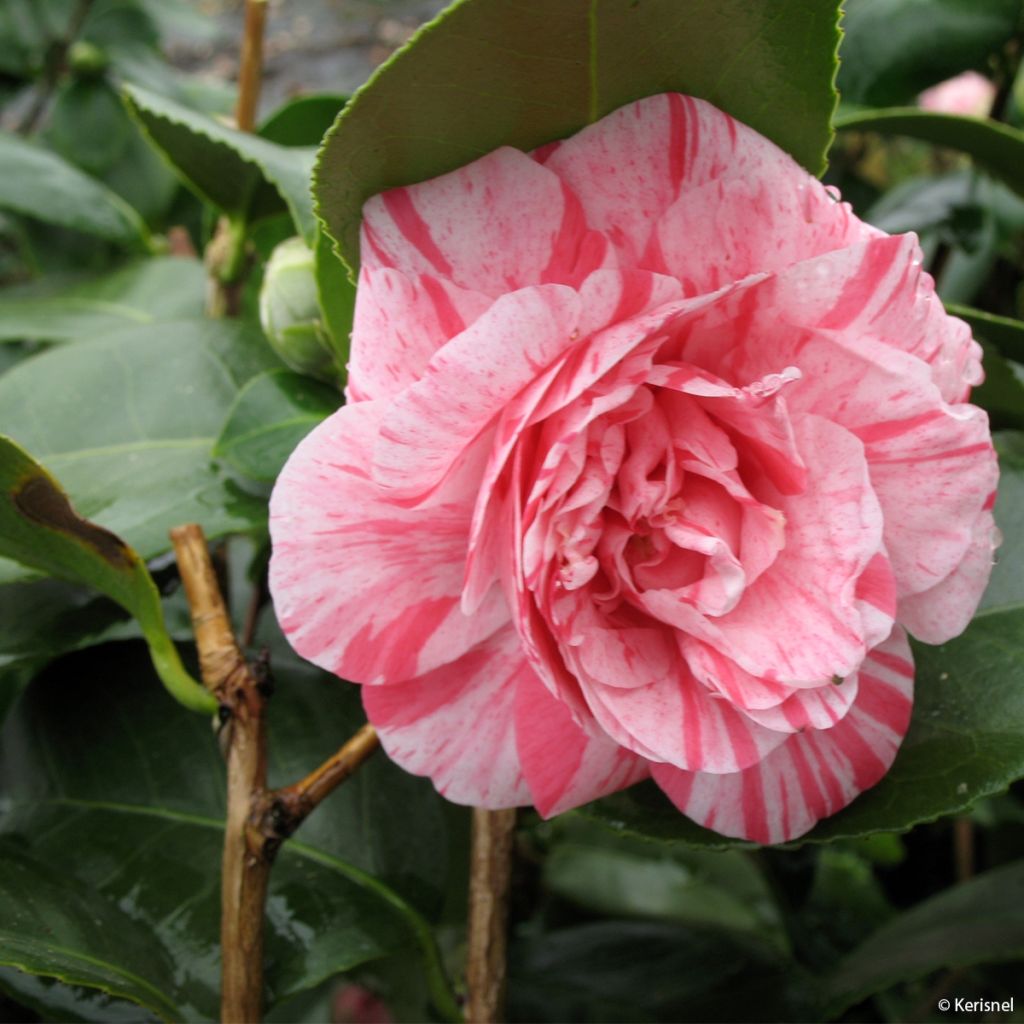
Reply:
x=38, y=183
x=1006, y=587
x=56, y=926
x=539, y=70
x=271, y=415
x=127, y=422
x=979, y=921
x=138, y=825
x=615, y=970
x=998, y=148
x=245, y=176
x=892, y=49
x=165, y=288
x=40, y=529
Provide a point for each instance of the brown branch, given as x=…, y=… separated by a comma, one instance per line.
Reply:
x=245, y=866
x=281, y=811
x=963, y=847
x=490, y=874
x=250, y=70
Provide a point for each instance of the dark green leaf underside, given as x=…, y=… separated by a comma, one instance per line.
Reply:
x=769, y=65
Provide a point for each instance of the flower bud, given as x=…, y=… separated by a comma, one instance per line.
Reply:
x=290, y=311
x=86, y=60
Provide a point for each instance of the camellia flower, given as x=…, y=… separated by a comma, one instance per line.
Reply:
x=652, y=451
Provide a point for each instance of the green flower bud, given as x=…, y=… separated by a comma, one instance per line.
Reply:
x=86, y=60
x=290, y=312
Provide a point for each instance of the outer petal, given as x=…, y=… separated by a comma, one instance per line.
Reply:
x=814, y=773
x=630, y=168
x=363, y=588
x=456, y=724
x=564, y=766
x=400, y=322
x=933, y=476
x=943, y=611
x=501, y=223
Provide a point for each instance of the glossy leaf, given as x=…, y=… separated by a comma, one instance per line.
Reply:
x=771, y=66
x=139, y=824
x=615, y=970
x=998, y=148
x=57, y=926
x=978, y=921
x=89, y=125
x=40, y=529
x=271, y=415
x=304, y=120
x=38, y=183
x=893, y=49
x=1001, y=394
x=164, y=288
x=243, y=175
x=128, y=421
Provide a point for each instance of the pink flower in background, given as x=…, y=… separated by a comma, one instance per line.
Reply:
x=969, y=94
x=653, y=451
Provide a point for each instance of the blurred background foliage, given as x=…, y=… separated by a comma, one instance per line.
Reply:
x=120, y=166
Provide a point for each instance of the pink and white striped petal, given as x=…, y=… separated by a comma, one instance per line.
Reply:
x=678, y=721
x=400, y=322
x=564, y=766
x=814, y=773
x=498, y=224
x=943, y=611
x=933, y=476
x=467, y=384
x=456, y=724
x=363, y=588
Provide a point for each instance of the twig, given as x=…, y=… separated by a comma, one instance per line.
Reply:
x=250, y=70
x=963, y=847
x=282, y=811
x=245, y=867
x=490, y=874
x=226, y=254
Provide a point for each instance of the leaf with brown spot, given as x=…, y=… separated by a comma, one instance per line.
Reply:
x=40, y=528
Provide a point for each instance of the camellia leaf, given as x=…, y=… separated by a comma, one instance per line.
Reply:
x=769, y=65
x=55, y=926
x=139, y=825
x=270, y=416
x=1006, y=587
x=304, y=120
x=893, y=49
x=165, y=288
x=245, y=176
x=337, y=297
x=979, y=921
x=1001, y=394
x=998, y=148
x=40, y=529
x=128, y=421
x=38, y=183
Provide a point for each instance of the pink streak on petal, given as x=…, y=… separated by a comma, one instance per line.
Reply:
x=814, y=773
x=456, y=724
x=563, y=765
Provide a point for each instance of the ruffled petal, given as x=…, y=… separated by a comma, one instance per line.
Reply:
x=362, y=587
x=457, y=724
x=467, y=384
x=814, y=773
